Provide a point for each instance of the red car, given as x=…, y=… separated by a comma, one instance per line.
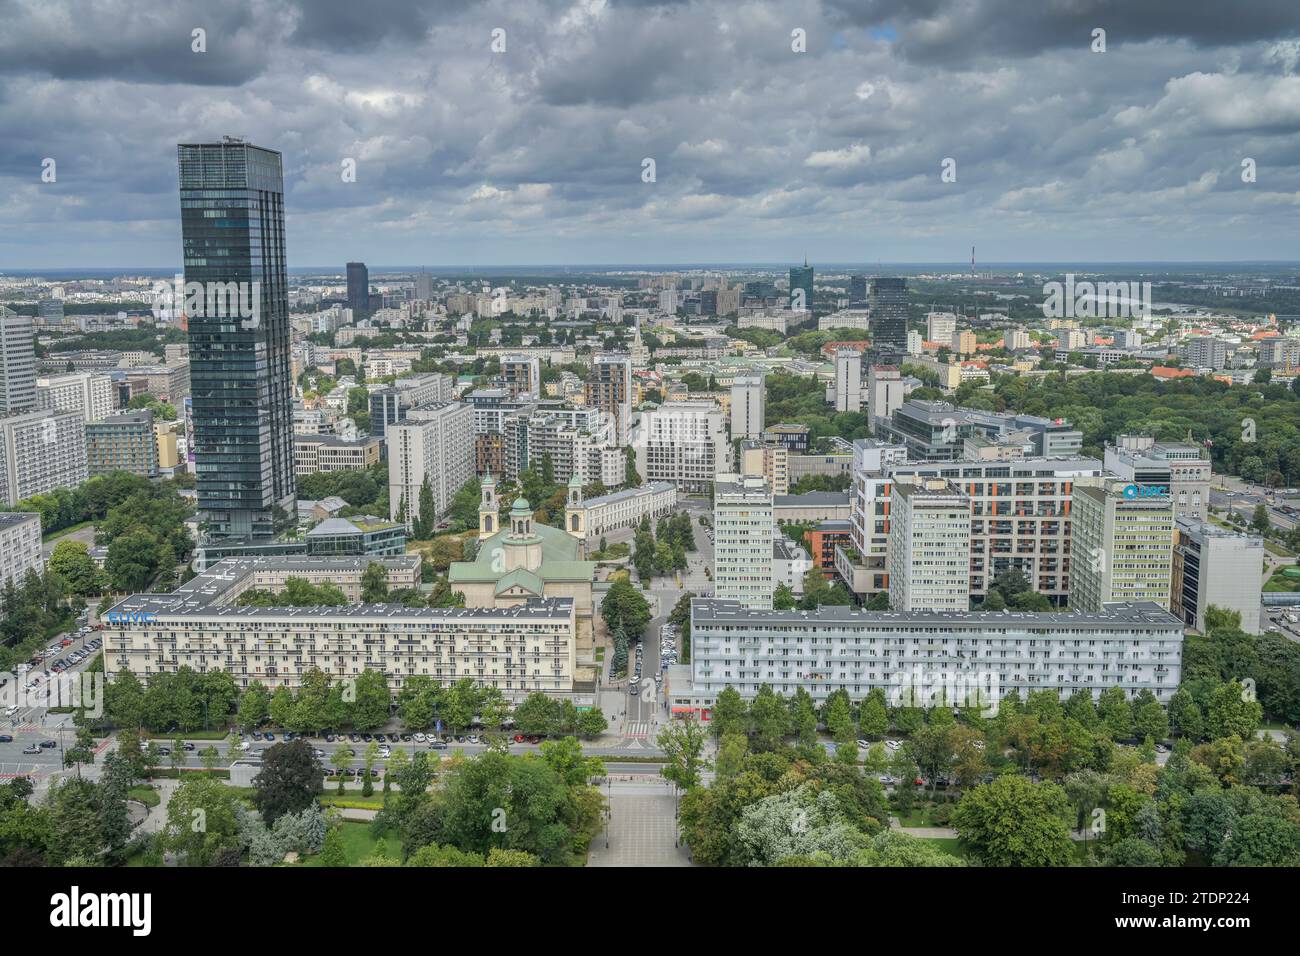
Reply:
x=66, y=642
x=519, y=738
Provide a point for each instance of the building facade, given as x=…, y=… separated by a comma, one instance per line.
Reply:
x=232, y=230
x=518, y=649
x=1123, y=540
x=313, y=454
x=126, y=442
x=743, y=529
x=17, y=363
x=20, y=546
x=929, y=547
x=928, y=658
x=1213, y=566
x=436, y=442
x=89, y=393
x=41, y=451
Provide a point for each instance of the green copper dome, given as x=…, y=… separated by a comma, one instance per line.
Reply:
x=521, y=507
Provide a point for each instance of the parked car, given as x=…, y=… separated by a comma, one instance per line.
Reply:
x=437, y=745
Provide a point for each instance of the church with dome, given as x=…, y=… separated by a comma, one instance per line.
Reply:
x=518, y=559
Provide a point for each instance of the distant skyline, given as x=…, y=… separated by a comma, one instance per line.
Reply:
x=534, y=156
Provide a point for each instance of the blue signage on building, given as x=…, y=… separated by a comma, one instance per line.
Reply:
x=130, y=617
x=1144, y=491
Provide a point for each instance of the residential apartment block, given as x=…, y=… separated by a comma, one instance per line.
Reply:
x=743, y=531
x=929, y=657
x=929, y=547
x=41, y=451
x=436, y=442
x=20, y=546
x=518, y=649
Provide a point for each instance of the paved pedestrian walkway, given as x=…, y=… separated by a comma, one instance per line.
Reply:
x=641, y=829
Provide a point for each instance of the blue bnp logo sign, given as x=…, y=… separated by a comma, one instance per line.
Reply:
x=130, y=617
x=1145, y=491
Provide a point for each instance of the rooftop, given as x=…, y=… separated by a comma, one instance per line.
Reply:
x=11, y=519
x=1119, y=616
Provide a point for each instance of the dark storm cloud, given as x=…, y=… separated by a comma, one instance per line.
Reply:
x=134, y=42
x=955, y=31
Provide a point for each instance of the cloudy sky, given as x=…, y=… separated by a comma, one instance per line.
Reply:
x=535, y=155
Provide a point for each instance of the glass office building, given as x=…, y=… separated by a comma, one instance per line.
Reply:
x=232, y=229
x=889, y=315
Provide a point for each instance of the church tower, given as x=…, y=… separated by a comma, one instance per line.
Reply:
x=575, y=514
x=487, y=509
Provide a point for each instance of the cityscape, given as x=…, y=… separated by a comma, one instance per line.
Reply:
x=835, y=546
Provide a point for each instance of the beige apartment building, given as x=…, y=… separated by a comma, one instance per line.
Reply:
x=519, y=649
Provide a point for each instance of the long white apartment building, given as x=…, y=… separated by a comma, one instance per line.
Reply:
x=935, y=655
x=929, y=547
x=520, y=649
x=20, y=546
x=88, y=393
x=621, y=510
x=743, y=529
x=436, y=441
x=684, y=443
x=41, y=451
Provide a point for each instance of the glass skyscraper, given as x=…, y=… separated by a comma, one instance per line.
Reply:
x=232, y=230
x=358, y=287
x=889, y=315
x=801, y=277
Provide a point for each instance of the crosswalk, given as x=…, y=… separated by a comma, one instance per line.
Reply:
x=638, y=729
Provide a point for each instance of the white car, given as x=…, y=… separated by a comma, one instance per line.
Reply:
x=418, y=737
x=385, y=753
x=864, y=744
x=893, y=744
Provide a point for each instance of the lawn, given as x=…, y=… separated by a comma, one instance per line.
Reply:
x=948, y=845
x=146, y=795
x=55, y=535
x=920, y=817
x=1280, y=582
x=358, y=843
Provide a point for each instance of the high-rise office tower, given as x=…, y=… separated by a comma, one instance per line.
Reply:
x=857, y=289
x=889, y=314
x=423, y=286
x=609, y=388
x=232, y=228
x=358, y=286
x=1123, y=544
x=801, y=288
x=848, y=380
x=17, y=363
x=748, y=405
